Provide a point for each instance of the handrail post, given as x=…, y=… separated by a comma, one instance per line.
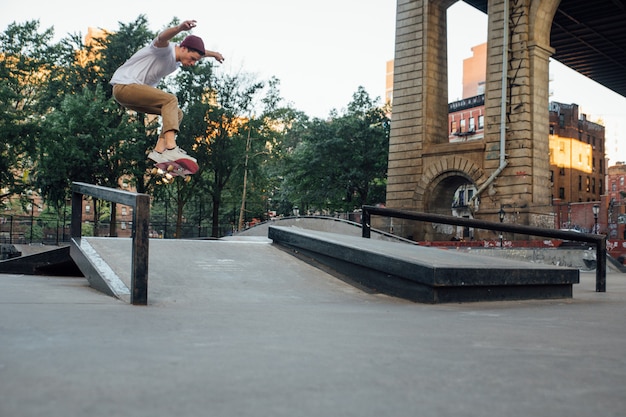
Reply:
x=601, y=265
x=141, y=220
x=77, y=215
x=365, y=223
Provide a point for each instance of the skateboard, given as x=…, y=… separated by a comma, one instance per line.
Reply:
x=179, y=168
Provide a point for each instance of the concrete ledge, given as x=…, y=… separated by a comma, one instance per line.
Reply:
x=426, y=274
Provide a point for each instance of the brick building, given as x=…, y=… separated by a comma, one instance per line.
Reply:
x=577, y=159
x=616, y=201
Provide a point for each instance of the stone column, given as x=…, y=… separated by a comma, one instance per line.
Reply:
x=522, y=188
x=420, y=101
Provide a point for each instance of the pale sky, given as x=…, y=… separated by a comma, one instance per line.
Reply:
x=321, y=51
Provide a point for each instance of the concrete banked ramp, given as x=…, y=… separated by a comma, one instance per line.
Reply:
x=398, y=269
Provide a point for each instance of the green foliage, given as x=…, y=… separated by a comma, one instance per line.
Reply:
x=84, y=141
x=341, y=163
x=25, y=68
x=214, y=131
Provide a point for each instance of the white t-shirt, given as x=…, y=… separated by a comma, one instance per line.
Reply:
x=147, y=66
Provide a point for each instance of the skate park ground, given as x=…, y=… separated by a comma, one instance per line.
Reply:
x=251, y=330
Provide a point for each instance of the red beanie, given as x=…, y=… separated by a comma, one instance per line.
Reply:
x=195, y=43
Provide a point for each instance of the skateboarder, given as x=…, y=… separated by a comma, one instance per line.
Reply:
x=134, y=84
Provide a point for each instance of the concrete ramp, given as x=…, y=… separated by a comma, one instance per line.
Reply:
x=197, y=269
x=426, y=274
x=232, y=270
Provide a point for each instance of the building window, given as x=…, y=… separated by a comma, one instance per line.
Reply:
x=562, y=193
x=580, y=183
x=453, y=126
x=562, y=171
x=481, y=122
x=551, y=129
x=462, y=127
x=561, y=120
x=472, y=124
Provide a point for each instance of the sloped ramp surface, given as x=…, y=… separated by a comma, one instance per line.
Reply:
x=231, y=270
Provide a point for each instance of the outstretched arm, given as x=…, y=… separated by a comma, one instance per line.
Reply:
x=164, y=37
x=218, y=57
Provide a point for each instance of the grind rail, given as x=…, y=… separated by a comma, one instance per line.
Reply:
x=598, y=240
x=140, y=204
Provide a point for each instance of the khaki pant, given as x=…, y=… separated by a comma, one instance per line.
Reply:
x=147, y=99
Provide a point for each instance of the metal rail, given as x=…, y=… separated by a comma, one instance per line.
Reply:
x=141, y=222
x=598, y=240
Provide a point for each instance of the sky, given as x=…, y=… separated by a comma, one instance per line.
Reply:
x=321, y=51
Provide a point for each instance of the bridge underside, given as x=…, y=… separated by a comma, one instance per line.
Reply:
x=589, y=37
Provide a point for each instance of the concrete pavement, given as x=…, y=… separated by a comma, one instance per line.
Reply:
x=249, y=330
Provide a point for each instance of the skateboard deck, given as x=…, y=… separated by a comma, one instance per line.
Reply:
x=179, y=168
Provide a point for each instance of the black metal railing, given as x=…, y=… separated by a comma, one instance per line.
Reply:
x=140, y=230
x=598, y=240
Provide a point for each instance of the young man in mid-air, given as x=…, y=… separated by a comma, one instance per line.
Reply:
x=134, y=84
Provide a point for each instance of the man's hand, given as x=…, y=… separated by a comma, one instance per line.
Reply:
x=164, y=37
x=187, y=25
x=218, y=57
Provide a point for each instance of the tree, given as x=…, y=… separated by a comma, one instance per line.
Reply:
x=25, y=69
x=341, y=163
x=215, y=127
x=84, y=141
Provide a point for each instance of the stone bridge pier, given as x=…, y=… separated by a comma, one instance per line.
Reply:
x=510, y=167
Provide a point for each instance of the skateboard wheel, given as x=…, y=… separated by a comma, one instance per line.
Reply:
x=187, y=178
x=170, y=168
x=154, y=171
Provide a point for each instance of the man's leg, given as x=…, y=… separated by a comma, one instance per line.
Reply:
x=167, y=138
x=147, y=99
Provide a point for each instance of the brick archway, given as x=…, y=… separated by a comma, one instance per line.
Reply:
x=455, y=165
